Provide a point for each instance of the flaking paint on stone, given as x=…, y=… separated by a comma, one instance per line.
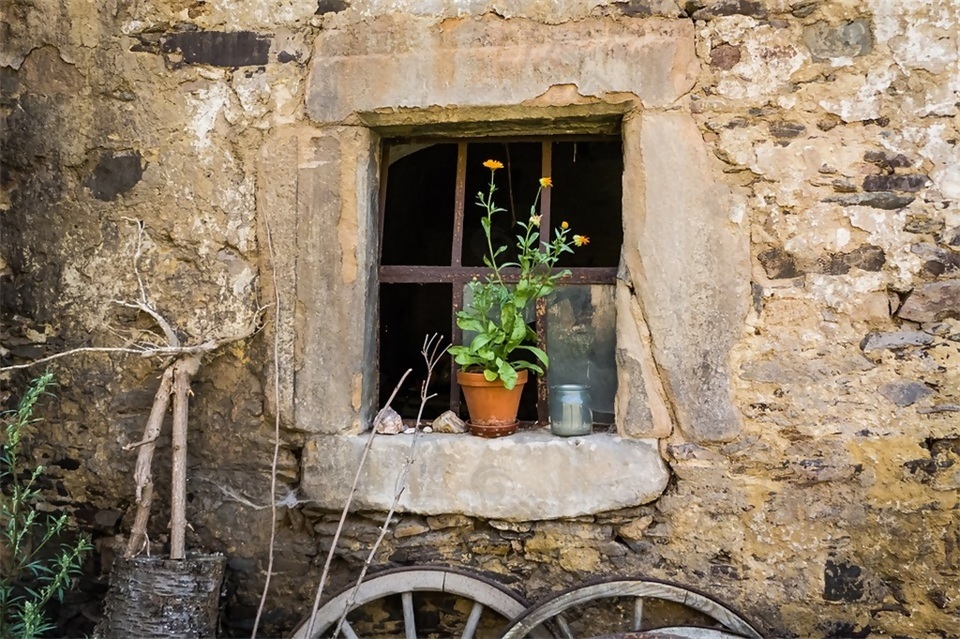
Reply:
x=824, y=468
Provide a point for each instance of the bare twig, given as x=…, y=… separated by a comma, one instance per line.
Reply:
x=153, y=351
x=276, y=427
x=172, y=340
x=142, y=473
x=142, y=442
x=346, y=507
x=143, y=303
x=432, y=353
x=73, y=351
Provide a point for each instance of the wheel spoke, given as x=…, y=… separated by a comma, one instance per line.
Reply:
x=472, y=621
x=409, y=623
x=637, y=613
x=564, y=627
x=347, y=630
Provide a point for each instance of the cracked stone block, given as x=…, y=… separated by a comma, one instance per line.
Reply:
x=910, y=183
x=899, y=339
x=884, y=200
x=512, y=478
x=709, y=9
x=779, y=264
x=652, y=58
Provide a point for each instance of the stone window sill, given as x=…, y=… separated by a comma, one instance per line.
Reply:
x=531, y=475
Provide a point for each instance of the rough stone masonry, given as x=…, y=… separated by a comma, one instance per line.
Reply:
x=788, y=309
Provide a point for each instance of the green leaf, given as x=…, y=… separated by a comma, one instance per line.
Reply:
x=481, y=340
x=539, y=353
x=508, y=375
x=527, y=365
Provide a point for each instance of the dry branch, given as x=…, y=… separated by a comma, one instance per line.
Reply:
x=183, y=370
x=276, y=426
x=142, y=473
x=432, y=353
x=346, y=507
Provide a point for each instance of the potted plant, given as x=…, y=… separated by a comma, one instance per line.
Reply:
x=491, y=375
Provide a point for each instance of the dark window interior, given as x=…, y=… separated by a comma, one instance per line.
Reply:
x=425, y=261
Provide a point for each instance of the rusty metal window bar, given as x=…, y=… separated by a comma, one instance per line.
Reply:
x=428, y=225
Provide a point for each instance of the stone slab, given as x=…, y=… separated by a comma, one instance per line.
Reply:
x=528, y=476
x=336, y=257
x=691, y=276
x=420, y=62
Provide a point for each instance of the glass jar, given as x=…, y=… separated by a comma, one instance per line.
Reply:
x=570, y=413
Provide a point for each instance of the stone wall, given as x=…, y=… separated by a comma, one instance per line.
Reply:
x=801, y=220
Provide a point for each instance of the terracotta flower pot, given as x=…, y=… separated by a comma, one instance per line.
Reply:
x=492, y=408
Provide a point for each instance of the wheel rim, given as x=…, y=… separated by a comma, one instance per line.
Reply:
x=641, y=589
x=485, y=593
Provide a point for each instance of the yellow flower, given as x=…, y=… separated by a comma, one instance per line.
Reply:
x=564, y=225
x=535, y=220
x=581, y=240
x=493, y=165
x=546, y=182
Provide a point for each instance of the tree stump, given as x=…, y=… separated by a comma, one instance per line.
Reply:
x=152, y=597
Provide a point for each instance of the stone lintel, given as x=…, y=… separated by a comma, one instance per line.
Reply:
x=592, y=117
x=400, y=61
x=528, y=476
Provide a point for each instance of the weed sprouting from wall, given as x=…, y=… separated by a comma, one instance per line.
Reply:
x=32, y=573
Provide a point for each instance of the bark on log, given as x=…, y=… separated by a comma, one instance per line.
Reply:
x=150, y=597
x=143, y=473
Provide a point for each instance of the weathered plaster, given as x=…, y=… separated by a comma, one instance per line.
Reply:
x=831, y=513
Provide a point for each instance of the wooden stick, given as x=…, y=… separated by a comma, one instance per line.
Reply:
x=142, y=473
x=183, y=369
x=138, y=535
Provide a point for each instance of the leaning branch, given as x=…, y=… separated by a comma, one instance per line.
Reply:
x=152, y=351
x=142, y=474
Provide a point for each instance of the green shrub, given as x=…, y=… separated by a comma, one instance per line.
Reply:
x=32, y=571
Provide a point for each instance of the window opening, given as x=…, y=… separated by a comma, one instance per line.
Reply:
x=431, y=246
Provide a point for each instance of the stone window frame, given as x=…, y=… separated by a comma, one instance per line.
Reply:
x=682, y=289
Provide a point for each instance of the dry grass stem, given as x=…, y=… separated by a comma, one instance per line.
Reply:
x=346, y=506
x=432, y=353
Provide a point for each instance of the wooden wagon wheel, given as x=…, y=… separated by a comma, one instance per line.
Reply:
x=485, y=594
x=552, y=609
